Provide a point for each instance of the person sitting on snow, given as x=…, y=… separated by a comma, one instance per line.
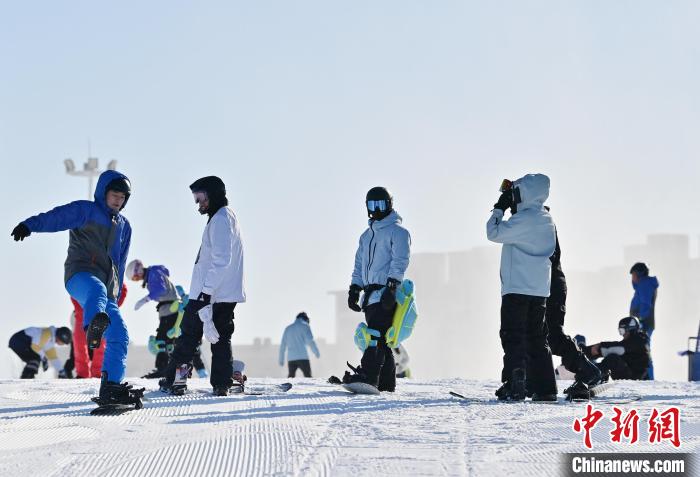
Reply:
x=626, y=359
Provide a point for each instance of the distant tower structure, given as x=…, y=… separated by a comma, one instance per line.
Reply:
x=90, y=169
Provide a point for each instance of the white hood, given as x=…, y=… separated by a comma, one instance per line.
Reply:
x=534, y=191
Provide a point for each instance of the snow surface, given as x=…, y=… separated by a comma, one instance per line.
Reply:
x=314, y=429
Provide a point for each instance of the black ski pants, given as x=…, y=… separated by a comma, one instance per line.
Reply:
x=303, y=364
x=165, y=323
x=619, y=369
x=524, y=340
x=560, y=343
x=192, y=330
x=21, y=344
x=378, y=361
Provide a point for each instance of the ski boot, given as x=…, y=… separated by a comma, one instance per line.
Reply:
x=96, y=329
x=503, y=392
x=220, y=390
x=578, y=392
x=179, y=385
x=30, y=370
x=588, y=375
x=517, y=390
x=112, y=393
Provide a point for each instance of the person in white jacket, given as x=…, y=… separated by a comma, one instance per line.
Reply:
x=528, y=239
x=217, y=286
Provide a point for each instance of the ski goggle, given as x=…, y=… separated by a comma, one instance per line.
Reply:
x=199, y=197
x=373, y=205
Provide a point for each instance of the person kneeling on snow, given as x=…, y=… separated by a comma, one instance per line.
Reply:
x=37, y=346
x=626, y=359
x=529, y=240
x=380, y=263
x=218, y=285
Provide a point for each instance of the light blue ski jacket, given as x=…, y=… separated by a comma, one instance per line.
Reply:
x=295, y=339
x=384, y=252
x=528, y=239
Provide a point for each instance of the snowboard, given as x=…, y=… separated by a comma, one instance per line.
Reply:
x=360, y=388
x=260, y=390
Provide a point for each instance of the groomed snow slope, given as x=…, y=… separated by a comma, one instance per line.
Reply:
x=314, y=429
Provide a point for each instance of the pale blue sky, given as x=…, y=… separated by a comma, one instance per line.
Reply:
x=302, y=106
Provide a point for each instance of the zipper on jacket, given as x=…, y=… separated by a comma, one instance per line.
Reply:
x=369, y=250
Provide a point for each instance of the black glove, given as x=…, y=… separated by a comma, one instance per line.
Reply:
x=204, y=298
x=354, y=297
x=388, y=299
x=44, y=363
x=504, y=201
x=21, y=232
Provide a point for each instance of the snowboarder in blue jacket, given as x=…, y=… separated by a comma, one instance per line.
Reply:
x=644, y=302
x=94, y=270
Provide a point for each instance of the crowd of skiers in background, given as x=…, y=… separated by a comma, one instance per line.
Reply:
x=533, y=306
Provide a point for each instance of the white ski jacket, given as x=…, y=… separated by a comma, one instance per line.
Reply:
x=218, y=270
x=384, y=251
x=528, y=239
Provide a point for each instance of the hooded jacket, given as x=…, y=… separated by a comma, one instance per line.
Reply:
x=218, y=270
x=295, y=339
x=528, y=239
x=157, y=282
x=99, y=237
x=384, y=252
x=644, y=301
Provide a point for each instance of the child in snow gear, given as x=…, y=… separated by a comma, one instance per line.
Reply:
x=218, y=285
x=295, y=339
x=644, y=303
x=88, y=362
x=529, y=241
x=94, y=270
x=170, y=308
x=381, y=260
x=625, y=359
x=37, y=346
x=573, y=358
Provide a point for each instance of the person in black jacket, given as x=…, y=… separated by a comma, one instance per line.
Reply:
x=626, y=359
x=573, y=358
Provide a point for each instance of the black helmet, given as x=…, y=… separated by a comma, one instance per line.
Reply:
x=628, y=324
x=379, y=203
x=303, y=316
x=640, y=268
x=64, y=334
x=121, y=184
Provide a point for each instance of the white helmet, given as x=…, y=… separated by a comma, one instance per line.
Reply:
x=134, y=267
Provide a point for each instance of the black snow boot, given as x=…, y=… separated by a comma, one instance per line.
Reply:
x=588, y=372
x=503, y=392
x=578, y=392
x=517, y=385
x=118, y=393
x=544, y=397
x=221, y=390
x=30, y=370
x=96, y=329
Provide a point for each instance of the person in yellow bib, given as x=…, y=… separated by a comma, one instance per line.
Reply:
x=36, y=346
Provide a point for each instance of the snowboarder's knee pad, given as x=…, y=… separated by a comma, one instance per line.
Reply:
x=366, y=337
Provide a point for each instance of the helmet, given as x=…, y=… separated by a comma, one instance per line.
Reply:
x=132, y=267
x=64, y=334
x=580, y=340
x=379, y=203
x=303, y=316
x=628, y=324
x=640, y=268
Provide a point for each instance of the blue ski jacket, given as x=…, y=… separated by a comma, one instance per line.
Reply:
x=644, y=301
x=295, y=339
x=157, y=281
x=99, y=238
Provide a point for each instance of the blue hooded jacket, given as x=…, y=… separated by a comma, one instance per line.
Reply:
x=157, y=281
x=644, y=301
x=99, y=237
